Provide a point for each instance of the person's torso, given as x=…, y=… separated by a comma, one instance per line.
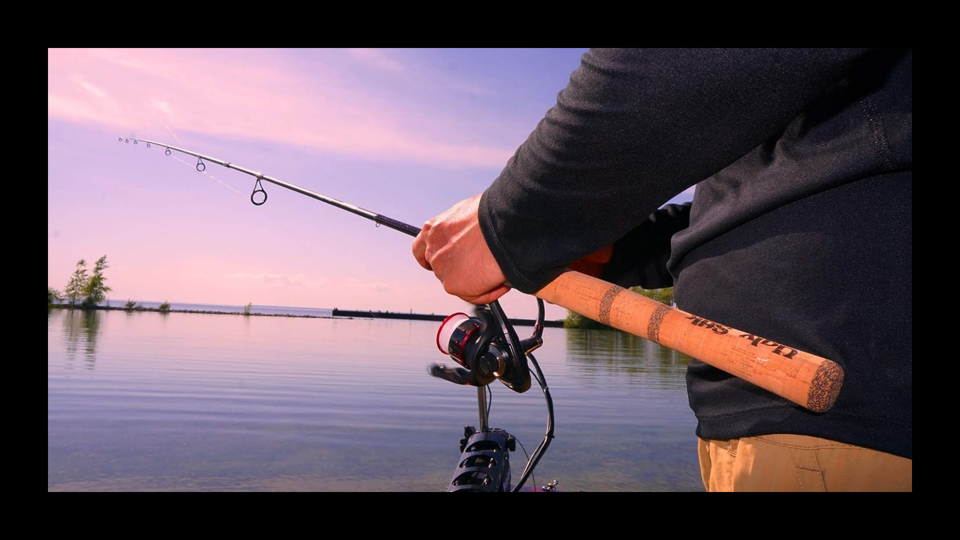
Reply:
x=807, y=240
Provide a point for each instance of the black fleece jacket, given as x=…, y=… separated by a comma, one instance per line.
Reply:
x=800, y=230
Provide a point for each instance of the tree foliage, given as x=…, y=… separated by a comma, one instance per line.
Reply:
x=53, y=296
x=576, y=320
x=164, y=307
x=87, y=290
x=96, y=289
x=247, y=308
x=77, y=285
x=664, y=296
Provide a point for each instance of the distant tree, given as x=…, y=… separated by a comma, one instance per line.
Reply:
x=246, y=308
x=77, y=286
x=96, y=289
x=131, y=305
x=53, y=296
x=165, y=306
x=576, y=320
x=664, y=296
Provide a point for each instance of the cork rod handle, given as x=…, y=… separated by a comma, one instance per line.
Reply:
x=805, y=379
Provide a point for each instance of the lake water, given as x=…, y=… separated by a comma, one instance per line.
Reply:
x=145, y=401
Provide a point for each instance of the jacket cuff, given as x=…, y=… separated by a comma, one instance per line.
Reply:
x=489, y=222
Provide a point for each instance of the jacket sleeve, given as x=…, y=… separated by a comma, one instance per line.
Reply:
x=640, y=257
x=632, y=129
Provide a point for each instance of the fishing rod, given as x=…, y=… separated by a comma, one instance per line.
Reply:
x=258, y=187
x=486, y=346
x=811, y=381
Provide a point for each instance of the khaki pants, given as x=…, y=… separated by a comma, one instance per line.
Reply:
x=799, y=463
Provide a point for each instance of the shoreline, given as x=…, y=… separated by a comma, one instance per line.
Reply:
x=195, y=311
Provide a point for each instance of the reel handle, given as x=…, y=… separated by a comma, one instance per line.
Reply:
x=454, y=375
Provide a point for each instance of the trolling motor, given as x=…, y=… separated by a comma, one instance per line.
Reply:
x=487, y=348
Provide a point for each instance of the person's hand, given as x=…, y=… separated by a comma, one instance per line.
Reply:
x=453, y=247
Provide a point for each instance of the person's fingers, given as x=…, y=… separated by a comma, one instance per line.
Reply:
x=452, y=246
x=487, y=297
x=419, y=249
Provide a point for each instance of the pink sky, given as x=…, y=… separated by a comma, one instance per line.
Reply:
x=405, y=133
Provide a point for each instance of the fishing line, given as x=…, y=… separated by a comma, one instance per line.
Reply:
x=159, y=118
x=170, y=130
x=241, y=195
x=533, y=476
x=201, y=167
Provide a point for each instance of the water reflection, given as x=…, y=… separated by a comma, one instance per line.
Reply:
x=80, y=330
x=231, y=403
x=603, y=358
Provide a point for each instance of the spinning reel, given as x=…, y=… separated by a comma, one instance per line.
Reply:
x=487, y=348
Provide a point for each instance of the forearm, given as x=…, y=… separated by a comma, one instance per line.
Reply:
x=633, y=129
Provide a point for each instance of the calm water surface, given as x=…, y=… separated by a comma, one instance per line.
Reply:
x=147, y=401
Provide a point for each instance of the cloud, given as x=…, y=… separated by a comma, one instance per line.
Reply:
x=269, y=279
x=162, y=106
x=71, y=109
x=256, y=94
x=419, y=75
x=375, y=286
x=378, y=59
x=89, y=87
